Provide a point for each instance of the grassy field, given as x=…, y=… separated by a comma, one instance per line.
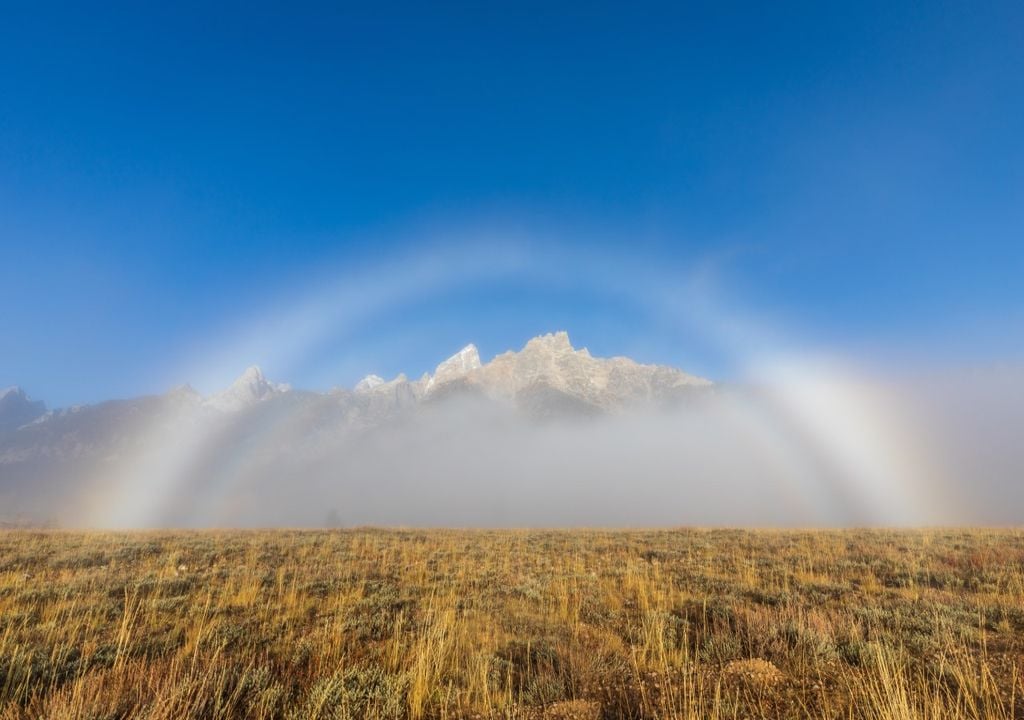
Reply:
x=458, y=624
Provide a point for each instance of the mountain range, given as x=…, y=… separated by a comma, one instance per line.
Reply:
x=547, y=376
x=44, y=453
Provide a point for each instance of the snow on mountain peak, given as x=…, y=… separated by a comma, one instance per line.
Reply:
x=253, y=375
x=466, y=359
x=369, y=383
x=457, y=366
x=250, y=387
x=375, y=383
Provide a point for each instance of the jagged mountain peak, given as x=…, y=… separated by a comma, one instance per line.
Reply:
x=13, y=390
x=250, y=387
x=373, y=383
x=252, y=376
x=369, y=383
x=552, y=342
x=456, y=367
x=16, y=408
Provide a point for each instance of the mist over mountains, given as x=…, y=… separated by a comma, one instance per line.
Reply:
x=285, y=436
x=544, y=436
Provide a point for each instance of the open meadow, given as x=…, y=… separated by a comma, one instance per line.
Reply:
x=512, y=624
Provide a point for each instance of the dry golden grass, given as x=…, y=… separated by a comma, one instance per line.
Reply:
x=456, y=624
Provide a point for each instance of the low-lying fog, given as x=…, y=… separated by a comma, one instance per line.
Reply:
x=806, y=447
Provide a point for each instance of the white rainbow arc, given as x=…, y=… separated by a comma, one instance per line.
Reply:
x=846, y=419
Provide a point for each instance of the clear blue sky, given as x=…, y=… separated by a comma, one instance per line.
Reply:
x=170, y=173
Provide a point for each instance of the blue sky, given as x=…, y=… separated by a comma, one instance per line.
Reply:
x=169, y=177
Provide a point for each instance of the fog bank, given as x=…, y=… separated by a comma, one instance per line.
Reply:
x=810, y=448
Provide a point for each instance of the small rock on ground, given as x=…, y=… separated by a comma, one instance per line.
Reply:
x=573, y=710
x=755, y=672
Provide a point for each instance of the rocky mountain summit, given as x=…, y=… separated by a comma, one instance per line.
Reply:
x=548, y=375
x=455, y=368
x=549, y=363
x=250, y=387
